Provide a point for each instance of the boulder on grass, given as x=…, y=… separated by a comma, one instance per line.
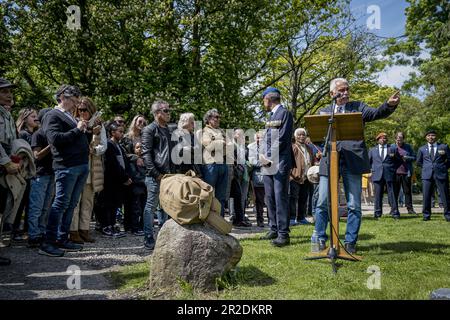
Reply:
x=196, y=254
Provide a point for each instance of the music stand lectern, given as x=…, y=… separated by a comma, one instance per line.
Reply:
x=333, y=128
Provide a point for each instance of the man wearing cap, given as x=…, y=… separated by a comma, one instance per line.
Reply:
x=434, y=159
x=70, y=150
x=354, y=161
x=385, y=160
x=8, y=133
x=277, y=162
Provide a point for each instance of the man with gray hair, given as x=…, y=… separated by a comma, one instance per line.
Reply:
x=70, y=150
x=156, y=151
x=354, y=161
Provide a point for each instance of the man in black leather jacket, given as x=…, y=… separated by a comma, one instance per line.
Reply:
x=156, y=150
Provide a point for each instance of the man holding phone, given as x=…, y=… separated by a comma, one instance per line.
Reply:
x=353, y=162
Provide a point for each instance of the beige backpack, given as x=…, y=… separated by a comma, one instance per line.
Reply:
x=188, y=200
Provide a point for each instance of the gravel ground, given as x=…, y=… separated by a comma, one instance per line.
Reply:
x=34, y=276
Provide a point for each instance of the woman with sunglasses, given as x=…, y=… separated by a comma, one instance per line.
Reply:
x=79, y=228
x=27, y=123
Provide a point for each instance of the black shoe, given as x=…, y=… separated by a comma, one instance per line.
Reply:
x=447, y=219
x=108, y=231
x=242, y=224
x=377, y=216
x=69, y=246
x=149, y=243
x=50, y=250
x=18, y=237
x=350, y=248
x=119, y=233
x=396, y=216
x=138, y=233
x=269, y=236
x=260, y=224
x=34, y=243
x=426, y=218
x=4, y=261
x=281, y=242
x=411, y=211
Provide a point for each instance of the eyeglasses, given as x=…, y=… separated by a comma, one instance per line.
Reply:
x=165, y=110
x=215, y=117
x=82, y=110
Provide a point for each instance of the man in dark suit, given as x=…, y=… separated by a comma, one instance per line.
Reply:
x=354, y=161
x=404, y=172
x=276, y=161
x=385, y=160
x=434, y=159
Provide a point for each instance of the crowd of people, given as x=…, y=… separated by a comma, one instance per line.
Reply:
x=63, y=167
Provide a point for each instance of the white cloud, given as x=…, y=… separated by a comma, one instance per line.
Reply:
x=395, y=76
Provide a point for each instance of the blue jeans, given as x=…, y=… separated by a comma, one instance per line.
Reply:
x=150, y=207
x=41, y=193
x=216, y=175
x=315, y=198
x=69, y=184
x=353, y=190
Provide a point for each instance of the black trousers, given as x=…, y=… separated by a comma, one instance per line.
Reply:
x=259, y=193
x=298, y=199
x=428, y=190
x=137, y=204
x=276, y=190
x=111, y=198
x=236, y=194
x=404, y=182
x=379, y=190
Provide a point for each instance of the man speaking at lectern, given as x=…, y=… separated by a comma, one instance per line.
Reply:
x=353, y=162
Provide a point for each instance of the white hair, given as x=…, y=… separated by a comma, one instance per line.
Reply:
x=300, y=130
x=185, y=118
x=335, y=81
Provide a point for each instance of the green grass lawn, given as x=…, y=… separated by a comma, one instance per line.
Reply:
x=413, y=257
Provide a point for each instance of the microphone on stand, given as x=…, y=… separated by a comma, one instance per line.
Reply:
x=337, y=96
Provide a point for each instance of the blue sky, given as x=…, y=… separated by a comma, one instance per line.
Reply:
x=392, y=24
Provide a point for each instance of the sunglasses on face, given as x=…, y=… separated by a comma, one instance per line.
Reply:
x=82, y=110
x=216, y=117
x=165, y=110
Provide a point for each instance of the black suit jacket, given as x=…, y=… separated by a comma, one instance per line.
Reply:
x=439, y=165
x=353, y=153
x=384, y=168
